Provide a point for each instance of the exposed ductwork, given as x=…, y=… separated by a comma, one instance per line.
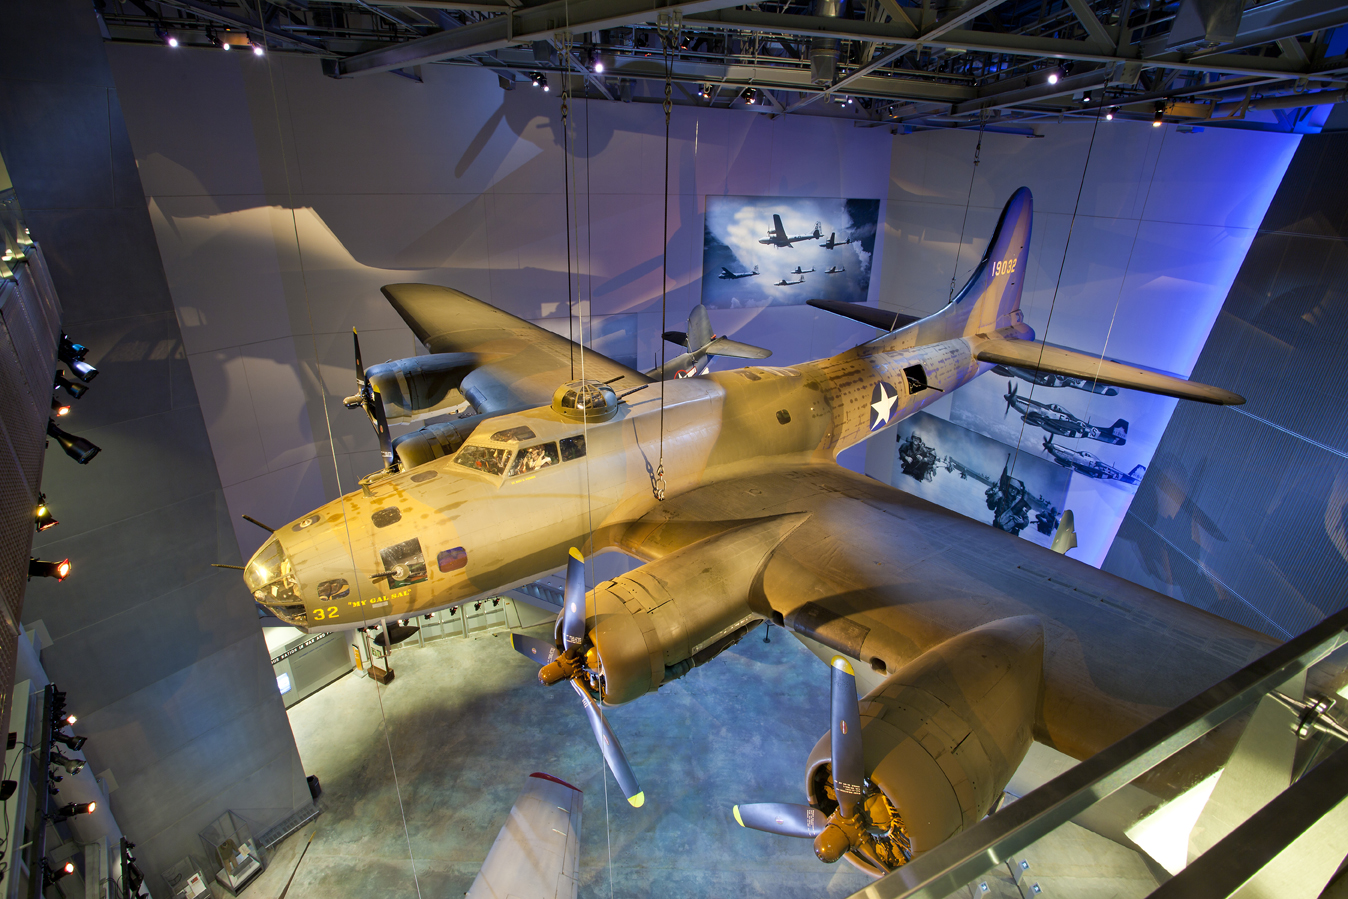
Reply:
x=824, y=50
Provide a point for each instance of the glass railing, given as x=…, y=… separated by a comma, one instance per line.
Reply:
x=1244, y=785
x=14, y=237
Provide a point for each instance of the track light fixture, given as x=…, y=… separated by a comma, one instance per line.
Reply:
x=42, y=568
x=77, y=448
x=61, y=381
x=72, y=766
x=73, y=743
x=258, y=50
x=51, y=875
x=7, y=788
x=71, y=809
x=1109, y=116
x=164, y=36
x=42, y=517
x=58, y=408
x=751, y=95
x=1054, y=76
x=72, y=354
x=1158, y=120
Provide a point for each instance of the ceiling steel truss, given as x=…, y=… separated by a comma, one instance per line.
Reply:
x=904, y=63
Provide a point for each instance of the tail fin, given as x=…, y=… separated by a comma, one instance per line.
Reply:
x=699, y=328
x=1137, y=472
x=1120, y=428
x=991, y=298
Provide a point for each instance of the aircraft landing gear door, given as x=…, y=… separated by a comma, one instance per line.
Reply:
x=408, y=583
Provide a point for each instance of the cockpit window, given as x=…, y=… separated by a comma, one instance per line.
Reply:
x=272, y=579
x=514, y=435
x=573, y=447
x=486, y=459
x=532, y=458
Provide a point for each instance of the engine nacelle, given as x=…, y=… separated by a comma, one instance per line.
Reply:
x=434, y=441
x=421, y=385
x=945, y=732
x=659, y=621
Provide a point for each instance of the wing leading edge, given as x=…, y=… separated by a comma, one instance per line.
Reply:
x=1037, y=356
x=537, y=853
x=519, y=364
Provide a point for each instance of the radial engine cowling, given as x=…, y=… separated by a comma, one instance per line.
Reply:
x=944, y=733
x=421, y=385
x=659, y=621
x=433, y=441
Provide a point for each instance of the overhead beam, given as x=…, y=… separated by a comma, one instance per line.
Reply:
x=1020, y=91
x=519, y=26
x=989, y=42
x=223, y=18
x=1094, y=27
x=1286, y=18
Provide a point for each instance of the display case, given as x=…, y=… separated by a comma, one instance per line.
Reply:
x=229, y=843
x=188, y=879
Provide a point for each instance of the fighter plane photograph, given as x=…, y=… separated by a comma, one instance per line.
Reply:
x=831, y=243
x=786, y=283
x=953, y=646
x=1053, y=379
x=777, y=235
x=835, y=270
x=1056, y=420
x=1091, y=466
x=727, y=275
x=802, y=271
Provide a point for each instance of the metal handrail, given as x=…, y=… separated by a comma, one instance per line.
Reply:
x=966, y=856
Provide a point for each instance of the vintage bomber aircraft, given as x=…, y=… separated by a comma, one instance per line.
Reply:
x=969, y=643
x=1056, y=420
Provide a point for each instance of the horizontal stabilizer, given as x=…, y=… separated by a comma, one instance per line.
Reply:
x=724, y=346
x=867, y=315
x=1036, y=356
x=678, y=337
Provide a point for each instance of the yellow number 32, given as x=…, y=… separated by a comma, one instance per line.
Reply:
x=322, y=614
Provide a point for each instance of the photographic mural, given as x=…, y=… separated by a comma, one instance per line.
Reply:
x=766, y=251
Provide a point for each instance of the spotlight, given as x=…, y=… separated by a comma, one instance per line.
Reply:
x=164, y=36
x=599, y=67
x=50, y=876
x=71, y=809
x=70, y=742
x=7, y=788
x=536, y=78
x=750, y=96
x=429, y=615
x=172, y=41
x=77, y=448
x=59, y=408
x=224, y=45
x=257, y=50
x=495, y=601
x=75, y=390
x=72, y=766
x=477, y=607
x=1109, y=116
x=58, y=570
x=72, y=354
x=1053, y=77
x=453, y=610
x=42, y=518
x=1157, y=120
x=546, y=88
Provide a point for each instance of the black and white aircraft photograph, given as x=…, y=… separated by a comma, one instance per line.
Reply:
x=782, y=237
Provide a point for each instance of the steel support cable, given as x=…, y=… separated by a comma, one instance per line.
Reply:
x=1067, y=245
x=668, y=34
x=332, y=443
x=973, y=174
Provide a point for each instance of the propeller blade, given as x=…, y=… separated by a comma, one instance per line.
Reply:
x=848, y=764
x=783, y=818
x=540, y=651
x=381, y=428
x=573, y=612
x=613, y=752
x=360, y=369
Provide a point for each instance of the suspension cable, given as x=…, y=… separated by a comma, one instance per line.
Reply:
x=973, y=173
x=669, y=29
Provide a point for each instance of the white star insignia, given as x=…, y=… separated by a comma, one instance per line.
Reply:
x=884, y=407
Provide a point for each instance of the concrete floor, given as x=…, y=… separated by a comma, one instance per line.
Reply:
x=411, y=808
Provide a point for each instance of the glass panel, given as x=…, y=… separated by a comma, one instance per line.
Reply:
x=573, y=448
x=513, y=435
x=533, y=458
x=486, y=459
x=452, y=559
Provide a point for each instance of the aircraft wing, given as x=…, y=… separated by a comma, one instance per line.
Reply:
x=537, y=852
x=519, y=364
x=1036, y=356
x=724, y=346
x=880, y=576
x=867, y=315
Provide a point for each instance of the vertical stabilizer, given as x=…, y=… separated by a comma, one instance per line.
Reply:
x=699, y=328
x=991, y=298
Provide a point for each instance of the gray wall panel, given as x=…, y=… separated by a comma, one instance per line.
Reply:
x=1244, y=510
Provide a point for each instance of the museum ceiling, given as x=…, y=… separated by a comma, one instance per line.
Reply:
x=996, y=64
